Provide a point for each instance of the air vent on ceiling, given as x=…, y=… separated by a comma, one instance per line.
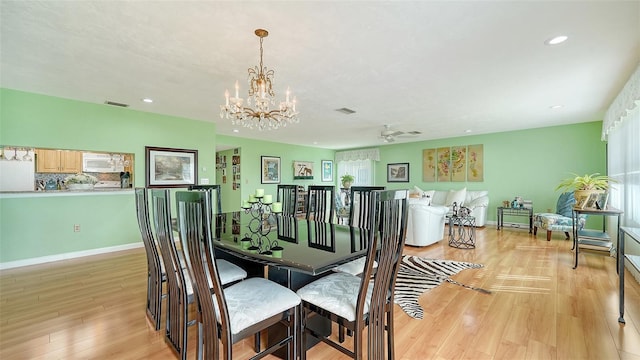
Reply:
x=346, y=111
x=113, y=103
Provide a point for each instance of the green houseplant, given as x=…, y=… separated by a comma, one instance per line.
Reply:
x=586, y=184
x=347, y=180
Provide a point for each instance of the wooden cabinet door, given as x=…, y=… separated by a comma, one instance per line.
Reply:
x=48, y=161
x=70, y=161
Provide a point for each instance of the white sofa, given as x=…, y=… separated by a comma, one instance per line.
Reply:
x=425, y=223
x=476, y=200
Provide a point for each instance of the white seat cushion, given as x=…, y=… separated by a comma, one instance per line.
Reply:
x=229, y=272
x=256, y=299
x=337, y=293
x=354, y=267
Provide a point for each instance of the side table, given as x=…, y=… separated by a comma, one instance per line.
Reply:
x=634, y=260
x=462, y=232
x=515, y=212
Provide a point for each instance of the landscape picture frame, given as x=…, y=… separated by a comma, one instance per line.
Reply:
x=398, y=172
x=270, y=169
x=170, y=167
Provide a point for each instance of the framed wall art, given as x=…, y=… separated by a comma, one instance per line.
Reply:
x=302, y=170
x=327, y=170
x=270, y=170
x=167, y=167
x=398, y=172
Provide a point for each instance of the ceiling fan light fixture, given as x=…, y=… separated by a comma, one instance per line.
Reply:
x=261, y=94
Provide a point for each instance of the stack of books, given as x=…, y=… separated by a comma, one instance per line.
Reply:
x=527, y=204
x=594, y=240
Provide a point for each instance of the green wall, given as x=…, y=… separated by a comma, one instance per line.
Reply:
x=43, y=226
x=525, y=163
x=528, y=163
x=251, y=150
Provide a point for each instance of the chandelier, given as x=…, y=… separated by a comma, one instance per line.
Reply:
x=261, y=94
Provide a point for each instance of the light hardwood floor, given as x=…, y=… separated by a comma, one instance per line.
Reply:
x=540, y=308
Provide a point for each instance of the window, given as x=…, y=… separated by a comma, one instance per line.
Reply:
x=362, y=171
x=359, y=163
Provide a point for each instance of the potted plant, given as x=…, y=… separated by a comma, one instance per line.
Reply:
x=347, y=180
x=80, y=181
x=586, y=184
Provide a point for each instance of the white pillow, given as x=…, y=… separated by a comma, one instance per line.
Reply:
x=417, y=191
x=429, y=193
x=456, y=196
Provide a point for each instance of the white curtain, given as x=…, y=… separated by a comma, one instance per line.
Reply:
x=359, y=163
x=621, y=128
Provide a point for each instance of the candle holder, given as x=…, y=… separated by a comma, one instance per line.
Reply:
x=263, y=220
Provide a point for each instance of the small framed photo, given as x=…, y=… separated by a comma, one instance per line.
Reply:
x=398, y=172
x=167, y=167
x=591, y=201
x=581, y=201
x=601, y=203
x=327, y=170
x=270, y=170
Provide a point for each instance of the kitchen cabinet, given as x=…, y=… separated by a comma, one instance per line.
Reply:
x=58, y=161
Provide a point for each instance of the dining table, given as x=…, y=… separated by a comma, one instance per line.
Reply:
x=294, y=250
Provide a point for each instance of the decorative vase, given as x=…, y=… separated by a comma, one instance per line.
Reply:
x=347, y=184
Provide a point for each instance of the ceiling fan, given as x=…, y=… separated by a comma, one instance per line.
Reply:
x=389, y=135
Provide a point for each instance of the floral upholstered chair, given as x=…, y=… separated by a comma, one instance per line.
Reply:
x=562, y=220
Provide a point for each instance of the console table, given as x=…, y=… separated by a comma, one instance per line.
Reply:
x=515, y=212
x=634, y=260
x=594, y=240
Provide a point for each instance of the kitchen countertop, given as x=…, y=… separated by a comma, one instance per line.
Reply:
x=48, y=193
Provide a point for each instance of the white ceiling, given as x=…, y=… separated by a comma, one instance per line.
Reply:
x=437, y=67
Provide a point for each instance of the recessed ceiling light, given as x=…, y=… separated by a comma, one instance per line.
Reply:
x=147, y=100
x=556, y=40
x=236, y=130
x=467, y=131
x=555, y=106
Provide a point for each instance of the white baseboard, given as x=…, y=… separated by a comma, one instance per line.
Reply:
x=67, y=256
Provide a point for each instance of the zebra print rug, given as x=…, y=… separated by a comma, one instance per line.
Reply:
x=417, y=275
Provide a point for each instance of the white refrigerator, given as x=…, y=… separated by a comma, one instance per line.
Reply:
x=16, y=175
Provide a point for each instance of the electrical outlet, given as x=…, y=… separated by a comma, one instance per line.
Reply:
x=76, y=228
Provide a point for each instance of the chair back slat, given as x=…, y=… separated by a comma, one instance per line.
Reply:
x=194, y=227
x=286, y=221
x=360, y=202
x=386, y=242
x=214, y=193
x=177, y=297
x=320, y=203
x=154, y=268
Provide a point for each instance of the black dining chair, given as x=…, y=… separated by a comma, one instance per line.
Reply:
x=358, y=217
x=179, y=283
x=320, y=203
x=228, y=315
x=359, y=207
x=155, y=272
x=216, y=195
x=286, y=221
x=356, y=302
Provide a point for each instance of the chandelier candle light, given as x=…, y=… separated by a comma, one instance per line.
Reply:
x=262, y=95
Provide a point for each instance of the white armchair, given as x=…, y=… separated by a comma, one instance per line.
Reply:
x=425, y=224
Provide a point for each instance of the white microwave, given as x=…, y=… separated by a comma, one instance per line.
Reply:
x=102, y=163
